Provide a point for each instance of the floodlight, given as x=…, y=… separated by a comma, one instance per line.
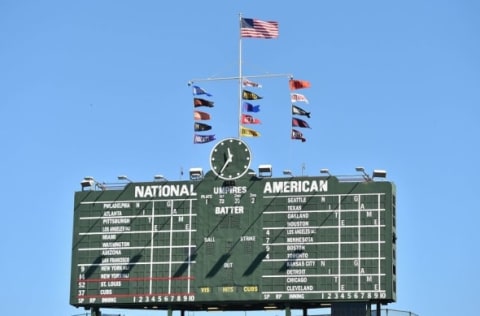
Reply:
x=364, y=174
x=124, y=177
x=196, y=173
x=265, y=171
x=288, y=173
x=87, y=182
x=378, y=173
x=325, y=171
x=159, y=177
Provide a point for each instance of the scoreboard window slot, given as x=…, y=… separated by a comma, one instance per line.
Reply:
x=329, y=235
x=229, y=222
x=349, y=234
x=248, y=247
x=327, y=250
x=369, y=266
x=350, y=282
x=162, y=223
x=227, y=276
x=228, y=246
x=349, y=202
x=179, y=254
x=369, y=234
x=349, y=251
x=369, y=251
x=326, y=219
x=209, y=248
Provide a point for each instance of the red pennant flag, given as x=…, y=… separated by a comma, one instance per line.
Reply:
x=299, y=123
x=248, y=119
x=202, y=102
x=298, y=84
x=200, y=116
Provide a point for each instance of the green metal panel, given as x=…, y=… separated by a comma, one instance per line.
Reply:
x=251, y=243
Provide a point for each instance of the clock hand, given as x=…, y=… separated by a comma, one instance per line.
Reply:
x=229, y=160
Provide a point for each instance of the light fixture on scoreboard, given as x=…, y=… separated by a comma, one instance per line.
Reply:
x=265, y=171
x=365, y=176
x=325, y=171
x=159, y=178
x=196, y=174
x=288, y=173
x=87, y=182
x=379, y=173
x=124, y=177
x=90, y=182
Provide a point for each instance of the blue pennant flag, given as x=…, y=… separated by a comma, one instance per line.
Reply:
x=248, y=107
x=197, y=91
x=202, y=139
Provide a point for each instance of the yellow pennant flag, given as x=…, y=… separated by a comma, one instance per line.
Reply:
x=248, y=132
x=248, y=95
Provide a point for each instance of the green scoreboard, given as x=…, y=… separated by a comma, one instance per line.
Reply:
x=243, y=243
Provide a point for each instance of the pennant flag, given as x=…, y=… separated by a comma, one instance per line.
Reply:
x=298, y=135
x=197, y=91
x=299, y=111
x=248, y=119
x=200, y=116
x=258, y=29
x=202, y=102
x=248, y=83
x=247, y=107
x=202, y=139
x=247, y=95
x=298, y=84
x=299, y=123
x=200, y=127
x=248, y=132
x=297, y=97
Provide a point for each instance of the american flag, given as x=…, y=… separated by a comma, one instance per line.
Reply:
x=258, y=28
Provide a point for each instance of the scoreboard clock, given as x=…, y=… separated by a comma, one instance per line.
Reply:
x=232, y=240
x=230, y=159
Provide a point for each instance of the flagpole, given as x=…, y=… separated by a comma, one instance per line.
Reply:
x=239, y=76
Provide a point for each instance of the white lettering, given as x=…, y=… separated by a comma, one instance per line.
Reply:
x=229, y=190
x=297, y=215
x=292, y=186
x=297, y=200
x=298, y=224
x=224, y=210
x=300, y=288
x=166, y=190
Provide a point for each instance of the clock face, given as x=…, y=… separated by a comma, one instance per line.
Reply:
x=230, y=159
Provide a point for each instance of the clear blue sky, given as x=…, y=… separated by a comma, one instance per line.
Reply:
x=99, y=88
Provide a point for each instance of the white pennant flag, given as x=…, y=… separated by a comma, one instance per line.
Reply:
x=297, y=97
